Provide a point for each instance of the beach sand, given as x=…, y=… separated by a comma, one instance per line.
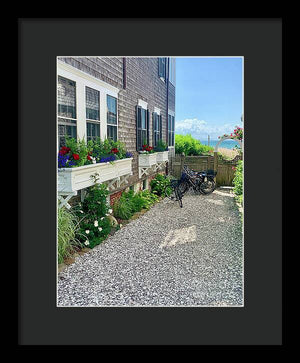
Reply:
x=227, y=152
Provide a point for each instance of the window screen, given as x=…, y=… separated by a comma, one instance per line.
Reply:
x=66, y=98
x=66, y=109
x=92, y=98
x=156, y=128
x=142, y=127
x=171, y=130
x=112, y=118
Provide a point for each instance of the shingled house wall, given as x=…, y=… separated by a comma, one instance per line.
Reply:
x=142, y=82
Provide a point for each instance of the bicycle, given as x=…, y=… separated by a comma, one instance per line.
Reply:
x=173, y=192
x=201, y=182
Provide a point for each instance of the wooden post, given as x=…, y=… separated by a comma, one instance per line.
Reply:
x=182, y=162
x=215, y=164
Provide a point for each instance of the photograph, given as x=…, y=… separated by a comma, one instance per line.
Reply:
x=150, y=181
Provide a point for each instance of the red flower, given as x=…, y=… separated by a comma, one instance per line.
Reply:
x=114, y=151
x=75, y=156
x=88, y=157
x=64, y=150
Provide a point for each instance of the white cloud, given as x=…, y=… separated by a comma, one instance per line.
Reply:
x=199, y=129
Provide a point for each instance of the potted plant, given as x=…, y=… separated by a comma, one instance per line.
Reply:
x=147, y=156
x=162, y=151
x=81, y=164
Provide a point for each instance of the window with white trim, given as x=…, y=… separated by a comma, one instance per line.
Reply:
x=66, y=109
x=157, y=128
x=171, y=130
x=87, y=106
x=92, y=107
x=142, y=127
x=112, y=123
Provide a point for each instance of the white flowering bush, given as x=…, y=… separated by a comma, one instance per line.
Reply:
x=93, y=212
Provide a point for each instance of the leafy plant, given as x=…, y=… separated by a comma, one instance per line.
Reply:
x=123, y=208
x=93, y=211
x=161, y=146
x=67, y=228
x=149, y=198
x=146, y=149
x=189, y=146
x=79, y=153
x=238, y=181
x=130, y=203
x=160, y=184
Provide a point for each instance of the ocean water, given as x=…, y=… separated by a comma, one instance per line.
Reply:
x=226, y=144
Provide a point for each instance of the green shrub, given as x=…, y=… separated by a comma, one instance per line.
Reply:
x=190, y=147
x=93, y=212
x=124, y=208
x=130, y=203
x=149, y=198
x=160, y=184
x=138, y=202
x=67, y=228
x=238, y=181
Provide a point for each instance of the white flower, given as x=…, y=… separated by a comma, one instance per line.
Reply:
x=87, y=242
x=107, y=214
x=96, y=223
x=87, y=231
x=101, y=218
x=81, y=211
x=110, y=211
x=100, y=229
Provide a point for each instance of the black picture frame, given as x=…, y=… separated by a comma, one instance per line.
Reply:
x=259, y=322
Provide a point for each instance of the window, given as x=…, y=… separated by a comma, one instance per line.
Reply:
x=157, y=128
x=172, y=71
x=112, y=118
x=92, y=106
x=171, y=129
x=162, y=67
x=142, y=127
x=66, y=110
x=86, y=106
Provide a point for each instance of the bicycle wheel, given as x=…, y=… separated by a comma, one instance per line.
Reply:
x=170, y=193
x=178, y=196
x=207, y=186
x=183, y=187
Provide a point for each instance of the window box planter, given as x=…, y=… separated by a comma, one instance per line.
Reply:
x=162, y=156
x=70, y=180
x=147, y=160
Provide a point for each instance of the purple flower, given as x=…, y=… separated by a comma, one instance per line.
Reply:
x=64, y=161
x=128, y=155
x=107, y=159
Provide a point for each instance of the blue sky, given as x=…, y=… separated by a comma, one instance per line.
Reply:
x=208, y=96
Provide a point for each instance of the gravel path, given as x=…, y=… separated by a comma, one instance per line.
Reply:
x=168, y=257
